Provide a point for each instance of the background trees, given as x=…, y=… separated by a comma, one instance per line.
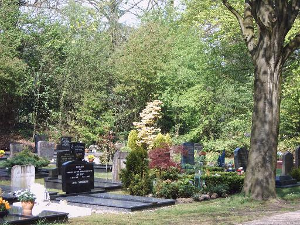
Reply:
x=60, y=73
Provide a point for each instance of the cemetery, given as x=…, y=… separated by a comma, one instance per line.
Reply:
x=149, y=112
x=71, y=187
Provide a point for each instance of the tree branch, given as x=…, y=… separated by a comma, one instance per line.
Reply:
x=293, y=45
x=246, y=24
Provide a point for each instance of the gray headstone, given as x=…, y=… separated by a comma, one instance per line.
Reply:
x=37, y=138
x=15, y=148
x=198, y=147
x=187, y=156
x=118, y=164
x=22, y=176
x=297, y=157
x=46, y=149
x=287, y=163
x=240, y=158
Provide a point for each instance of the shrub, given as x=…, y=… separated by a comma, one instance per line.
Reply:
x=214, y=169
x=232, y=180
x=26, y=157
x=161, y=158
x=295, y=173
x=140, y=186
x=135, y=176
x=220, y=189
x=174, y=189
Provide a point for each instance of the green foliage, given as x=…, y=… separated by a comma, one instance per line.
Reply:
x=132, y=140
x=174, y=189
x=232, y=180
x=135, y=177
x=220, y=189
x=140, y=186
x=214, y=169
x=295, y=173
x=161, y=139
x=26, y=157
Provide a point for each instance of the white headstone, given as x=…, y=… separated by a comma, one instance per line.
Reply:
x=22, y=176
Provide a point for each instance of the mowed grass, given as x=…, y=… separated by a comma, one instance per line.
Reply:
x=232, y=210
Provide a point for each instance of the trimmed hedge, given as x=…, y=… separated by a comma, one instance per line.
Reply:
x=232, y=180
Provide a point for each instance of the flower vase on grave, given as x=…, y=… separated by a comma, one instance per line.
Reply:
x=27, y=207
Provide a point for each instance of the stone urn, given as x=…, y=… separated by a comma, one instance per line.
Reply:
x=27, y=207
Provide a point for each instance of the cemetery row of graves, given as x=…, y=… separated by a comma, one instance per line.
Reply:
x=161, y=175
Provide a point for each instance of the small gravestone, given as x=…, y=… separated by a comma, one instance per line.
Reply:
x=22, y=176
x=297, y=157
x=46, y=149
x=15, y=148
x=221, y=159
x=287, y=163
x=240, y=158
x=62, y=157
x=37, y=138
x=65, y=143
x=78, y=149
x=187, y=156
x=119, y=161
x=77, y=176
x=198, y=147
x=285, y=180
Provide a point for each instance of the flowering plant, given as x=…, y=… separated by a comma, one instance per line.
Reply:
x=25, y=196
x=4, y=205
x=91, y=157
x=2, y=152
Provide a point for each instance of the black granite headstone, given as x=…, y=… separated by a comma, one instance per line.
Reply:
x=221, y=159
x=62, y=157
x=77, y=176
x=37, y=138
x=187, y=156
x=65, y=143
x=297, y=157
x=240, y=158
x=78, y=149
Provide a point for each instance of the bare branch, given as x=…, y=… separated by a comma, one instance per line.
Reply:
x=293, y=45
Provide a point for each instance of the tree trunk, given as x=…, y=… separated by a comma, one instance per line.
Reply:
x=261, y=171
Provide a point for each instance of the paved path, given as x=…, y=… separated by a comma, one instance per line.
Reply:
x=280, y=219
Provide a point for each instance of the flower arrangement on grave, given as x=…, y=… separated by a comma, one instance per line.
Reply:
x=27, y=199
x=4, y=205
x=91, y=158
x=2, y=152
x=25, y=196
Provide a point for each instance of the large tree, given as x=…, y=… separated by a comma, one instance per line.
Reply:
x=264, y=26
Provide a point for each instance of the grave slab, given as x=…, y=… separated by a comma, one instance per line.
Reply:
x=15, y=217
x=118, y=202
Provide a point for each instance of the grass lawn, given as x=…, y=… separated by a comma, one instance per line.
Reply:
x=232, y=210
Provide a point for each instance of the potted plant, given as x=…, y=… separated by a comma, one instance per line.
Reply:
x=2, y=152
x=27, y=199
x=4, y=207
x=91, y=158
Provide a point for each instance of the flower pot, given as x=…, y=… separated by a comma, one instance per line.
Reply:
x=91, y=160
x=27, y=207
x=1, y=155
x=3, y=213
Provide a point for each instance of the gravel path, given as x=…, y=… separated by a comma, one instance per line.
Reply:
x=280, y=219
